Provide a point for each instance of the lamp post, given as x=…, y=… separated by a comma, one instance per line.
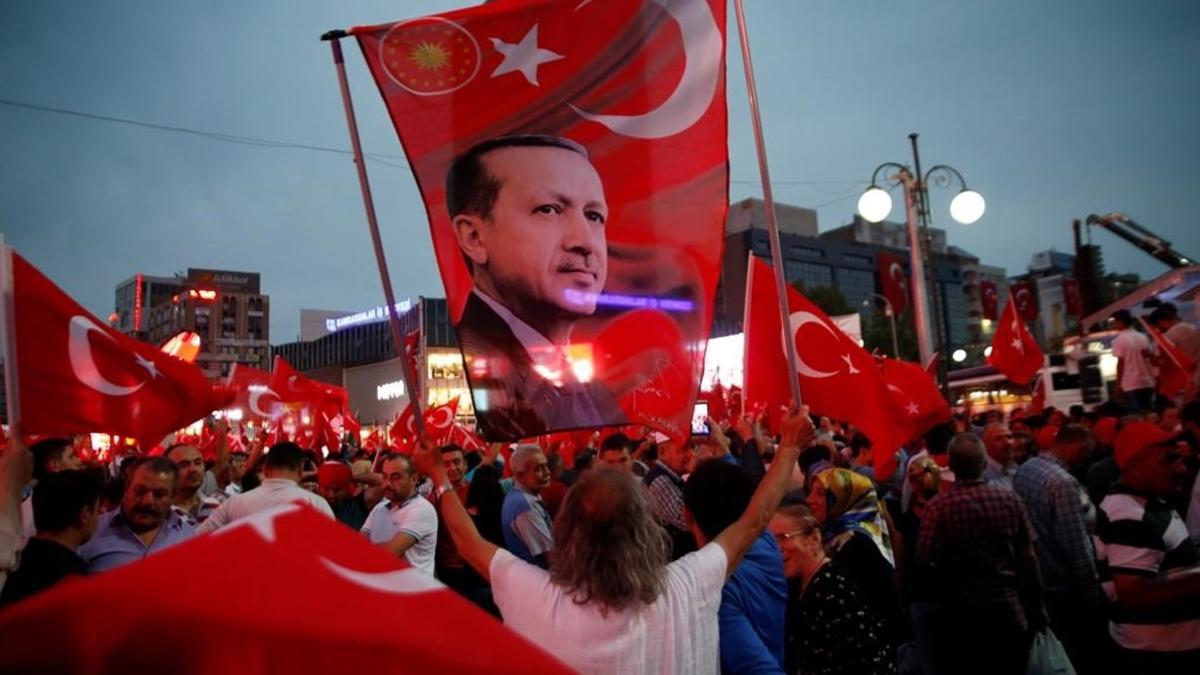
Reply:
x=874, y=206
x=891, y=314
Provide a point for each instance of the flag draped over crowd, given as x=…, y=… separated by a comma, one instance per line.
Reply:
x=639, y=84
x=222, y=615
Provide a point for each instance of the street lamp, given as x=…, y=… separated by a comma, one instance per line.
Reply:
x=875, y=204
x=891, y=314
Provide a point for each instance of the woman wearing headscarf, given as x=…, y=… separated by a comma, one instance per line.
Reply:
x=831, y=629
x=857, y=538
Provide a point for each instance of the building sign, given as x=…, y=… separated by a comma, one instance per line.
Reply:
x=240, y=282
x=389, y=390
x=378, y=313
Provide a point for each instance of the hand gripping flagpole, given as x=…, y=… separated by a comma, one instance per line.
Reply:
x=8, y=336
x=334, y=37
x=768, y=203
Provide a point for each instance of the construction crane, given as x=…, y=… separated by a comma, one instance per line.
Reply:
x=1126, y=228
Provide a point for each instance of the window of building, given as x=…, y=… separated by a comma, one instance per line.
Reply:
x=806, y=252
x=854, y=259
x=856, y=285
x=809, y=273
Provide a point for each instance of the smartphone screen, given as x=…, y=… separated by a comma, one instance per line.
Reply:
x=699, y=415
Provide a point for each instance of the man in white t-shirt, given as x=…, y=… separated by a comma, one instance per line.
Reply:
x=1135, y=373
x=281, y=470
x=404, y=523
x=612, y=602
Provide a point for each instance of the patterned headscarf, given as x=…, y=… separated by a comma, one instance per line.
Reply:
x=852, y=505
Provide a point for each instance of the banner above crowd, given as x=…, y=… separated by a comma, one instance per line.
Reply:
x=572, y=160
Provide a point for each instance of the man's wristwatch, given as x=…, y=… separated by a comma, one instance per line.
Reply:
x=443, y=489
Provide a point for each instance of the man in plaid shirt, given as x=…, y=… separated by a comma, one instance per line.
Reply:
x=1056, y=504
x=978, y=545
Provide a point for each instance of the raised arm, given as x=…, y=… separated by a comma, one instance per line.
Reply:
x=473, y=548
x=797, y=434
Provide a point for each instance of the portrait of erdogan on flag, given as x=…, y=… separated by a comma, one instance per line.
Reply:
x=572, y=160
x=529, y=213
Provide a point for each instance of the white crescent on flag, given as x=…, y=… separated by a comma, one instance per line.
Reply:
x=702, y=48
x=83, y=365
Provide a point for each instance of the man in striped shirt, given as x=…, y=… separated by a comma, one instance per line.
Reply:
x=1149, y=568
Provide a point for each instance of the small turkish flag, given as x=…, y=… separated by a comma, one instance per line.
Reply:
x=1026, y=300
x=838, y=378
x=439, y=421
x=990, y=299
x=1014, y=351
x=916, y=396
x=893, y=281
x=77, y=375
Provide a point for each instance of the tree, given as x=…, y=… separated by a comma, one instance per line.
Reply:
x=877, y=334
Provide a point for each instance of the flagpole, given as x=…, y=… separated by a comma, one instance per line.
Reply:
x=334, y=39
x=768, y=202
x=8, y=336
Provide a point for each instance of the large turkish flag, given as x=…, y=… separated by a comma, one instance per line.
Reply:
x=1015, y=352
x=893, y=280
x=281, y=591
x=587, y=298
x=76, y=375
x=253, y=392
x=838, y=378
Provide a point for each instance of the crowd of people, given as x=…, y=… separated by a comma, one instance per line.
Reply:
x=740, y=551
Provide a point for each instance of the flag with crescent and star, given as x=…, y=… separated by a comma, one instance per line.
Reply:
x=893, y=281
x=1015, y=352
x=838, y=378
x=253, y=392
x=640, y=85
x=301, y=568
x=989, y=299
x=76, y=375
x=1025, y=296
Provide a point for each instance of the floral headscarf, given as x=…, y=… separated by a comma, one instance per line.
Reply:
x=852, y=505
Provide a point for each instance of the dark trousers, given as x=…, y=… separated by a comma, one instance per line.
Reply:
x=1079, y=622
x=979, y=638
x=1157, y=663
x=465, y=582
x=1139, y=400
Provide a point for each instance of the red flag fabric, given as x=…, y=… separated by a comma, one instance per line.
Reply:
x=916, y=395
x=1038, y=404
x=717, y=407
x=893, y=280
x=1176, y=370
x=388, y=613
x=1014, y=351
x=253, y=392
x=1072, y=302
x=591, y=311
x=439, y=421
x=990, y=299
x=838, y=378
x=1026, y=300
x=77, y=375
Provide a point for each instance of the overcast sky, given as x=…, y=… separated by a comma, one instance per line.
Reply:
x=1053, y=110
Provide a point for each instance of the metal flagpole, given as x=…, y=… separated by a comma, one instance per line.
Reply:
x=334, y=37
x=768, y=203
x=8, y=335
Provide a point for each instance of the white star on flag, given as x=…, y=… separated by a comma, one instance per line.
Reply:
x=523, y=57
x=1017, y=344
x=913, y=409
x=849, y=364
x=148, y=365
